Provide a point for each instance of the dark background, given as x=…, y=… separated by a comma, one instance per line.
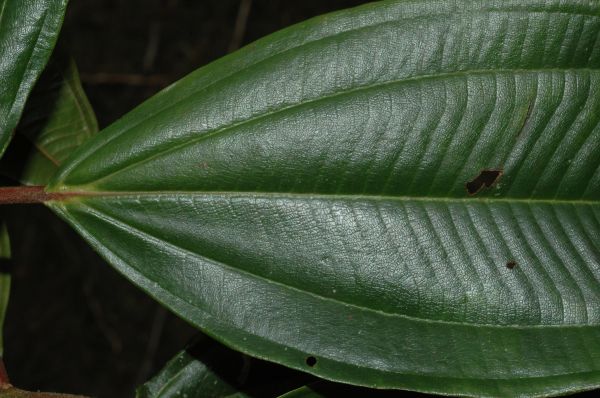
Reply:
x=74, y=324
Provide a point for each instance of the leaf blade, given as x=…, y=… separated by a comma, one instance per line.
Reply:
x=324, y=214
x=58, y=119
x=191, y=373
x=28, y=32
x=332, y=318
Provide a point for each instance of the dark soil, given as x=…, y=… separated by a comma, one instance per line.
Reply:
x=75, y=325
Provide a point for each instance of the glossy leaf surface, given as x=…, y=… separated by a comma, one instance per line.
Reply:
x=28, y=32
x=402, y=195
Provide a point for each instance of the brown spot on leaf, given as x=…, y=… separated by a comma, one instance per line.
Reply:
x=486, y=178
x=511, y=264
x=311, y=361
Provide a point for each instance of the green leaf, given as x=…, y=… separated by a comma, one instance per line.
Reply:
x=209, y=369
x=200, y=370
x=303, y=392
x=332, y=390
x=28, y=32
x=402, y=195
x=57, y=120
x=4, y=281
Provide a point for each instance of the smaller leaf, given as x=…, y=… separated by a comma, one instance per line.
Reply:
x=208, y=369
x=303, y=392
x=58, y=118
x=195, y=372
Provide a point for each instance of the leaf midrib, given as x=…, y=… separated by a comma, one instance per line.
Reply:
x=66, y=195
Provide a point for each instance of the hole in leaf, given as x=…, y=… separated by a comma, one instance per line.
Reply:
x=486, y=178
x=511, y=264
x=311, y=361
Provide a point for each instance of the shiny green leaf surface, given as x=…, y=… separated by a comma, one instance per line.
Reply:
x=401, y=195
x=58, y=119
x=28, y=32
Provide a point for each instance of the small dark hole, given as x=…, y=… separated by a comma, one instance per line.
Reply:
x=511, y=264
x=311, y=361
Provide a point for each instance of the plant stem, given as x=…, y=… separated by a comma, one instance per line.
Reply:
x=26, y=194
x=4, y=382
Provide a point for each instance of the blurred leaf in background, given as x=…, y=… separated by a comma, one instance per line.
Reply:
x=58, y=118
